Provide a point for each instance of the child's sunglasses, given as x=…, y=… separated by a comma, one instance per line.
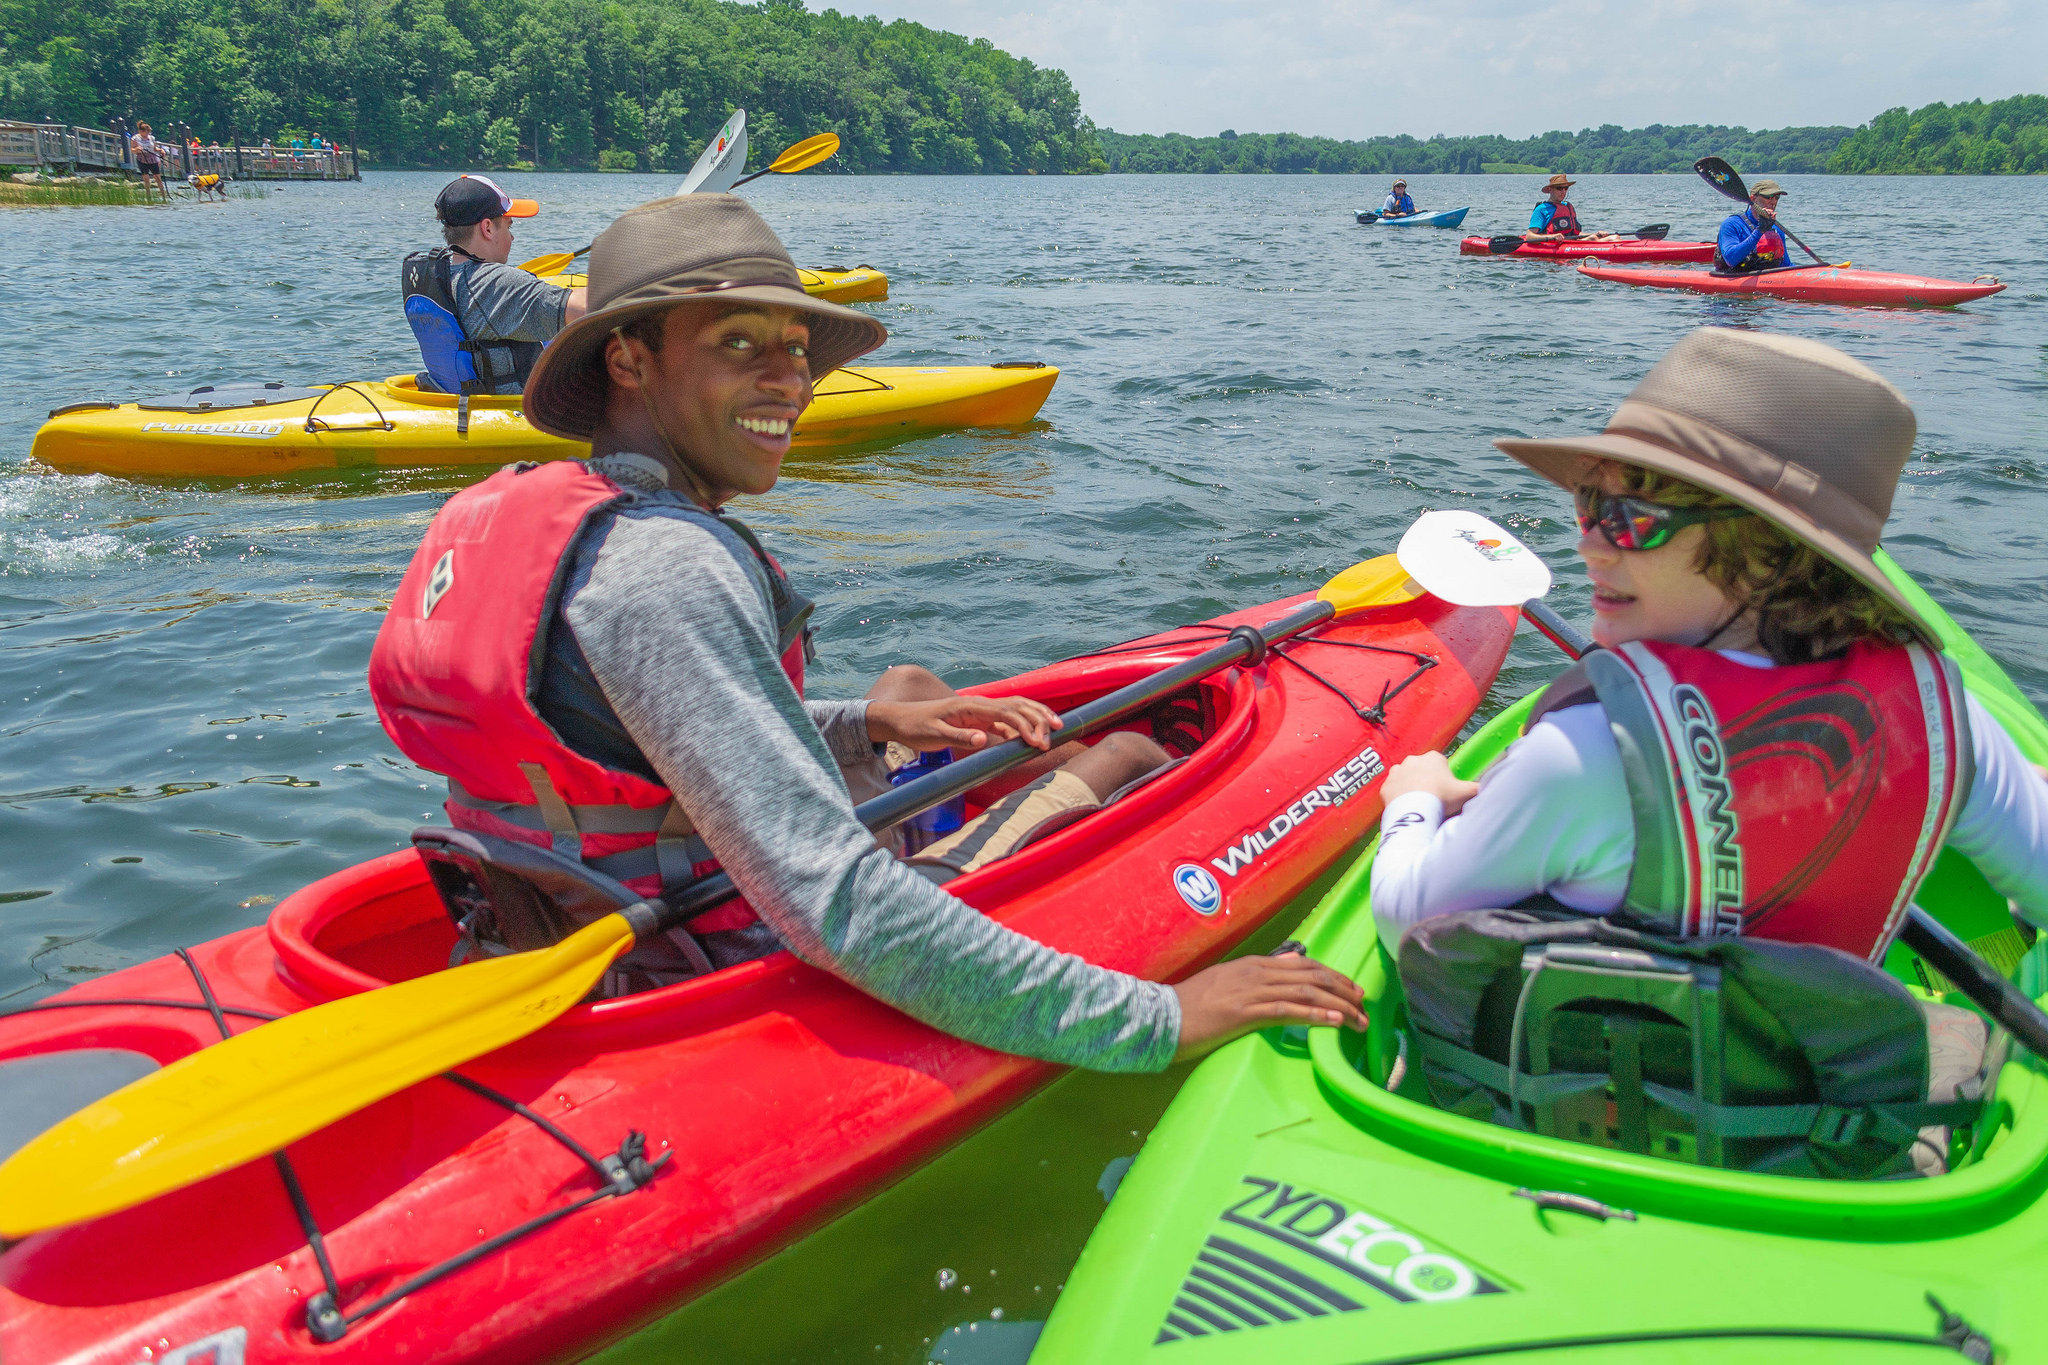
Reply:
x=1634, y=524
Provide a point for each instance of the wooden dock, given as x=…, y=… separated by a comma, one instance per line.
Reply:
x=58, y=148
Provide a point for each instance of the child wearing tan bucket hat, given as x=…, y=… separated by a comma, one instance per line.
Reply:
x=1769, y=741
x=603, y=662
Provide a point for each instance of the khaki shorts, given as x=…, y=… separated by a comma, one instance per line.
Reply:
x=1052, y=802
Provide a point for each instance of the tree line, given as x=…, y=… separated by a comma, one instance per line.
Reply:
x=2003, y=137
x=628, y=83
x=641, y=84
x=1610, y=150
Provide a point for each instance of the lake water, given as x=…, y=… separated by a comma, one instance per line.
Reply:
x=1256, y=392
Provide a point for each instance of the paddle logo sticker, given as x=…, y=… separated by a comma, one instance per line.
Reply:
x=254, y=431
x=1350, y=778
x=1492, y=547
x=1199, y=888
x=1287, y=1253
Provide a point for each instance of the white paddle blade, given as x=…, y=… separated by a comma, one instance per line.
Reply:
x=724, y=158
x=1466, y=560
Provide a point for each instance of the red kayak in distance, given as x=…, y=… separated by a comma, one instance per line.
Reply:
x=1628, y=249
x=672, y=1138
x=1812, y=284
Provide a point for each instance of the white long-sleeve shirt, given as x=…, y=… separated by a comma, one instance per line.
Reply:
x=1552, y=815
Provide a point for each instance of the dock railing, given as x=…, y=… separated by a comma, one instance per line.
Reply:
x=55, y=147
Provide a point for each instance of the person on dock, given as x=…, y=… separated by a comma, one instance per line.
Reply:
x=1556, y=220
x=664, y=649
x=149, y=160
x=480, y=322
x=1751, y=240
x=1728, y=518
x=1398, y=204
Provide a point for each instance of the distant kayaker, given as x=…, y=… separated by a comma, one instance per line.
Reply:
x=644, y=656
x=1798, y=747
x=480, y=322
x=1398, y=204
x=1555, y=219
x=1751, y=239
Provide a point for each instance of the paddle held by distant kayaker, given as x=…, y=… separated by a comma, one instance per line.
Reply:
x=607, y=664
x=1398, y=202
x=1751, y=240
x=1555, y=219
x=480, y=322
x=1769, y=742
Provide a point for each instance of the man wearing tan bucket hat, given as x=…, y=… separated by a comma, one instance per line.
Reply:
x=1770, y=742
x=603, y=663
x=1555, y=219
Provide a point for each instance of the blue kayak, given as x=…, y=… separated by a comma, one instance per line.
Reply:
x=1449, y=218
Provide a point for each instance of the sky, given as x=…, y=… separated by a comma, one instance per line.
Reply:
x=1361, y=68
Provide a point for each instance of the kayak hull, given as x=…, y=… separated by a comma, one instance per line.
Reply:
x=1811, y=284
x=1447, y=218
x=391, y=424
x=780, y=1096
x=862, y=284
x=1283, y=1137
x=1630, y=250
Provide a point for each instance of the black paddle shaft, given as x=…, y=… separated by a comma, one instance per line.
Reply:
x=964, y=774
x=1976, y=978
x=1723, y=177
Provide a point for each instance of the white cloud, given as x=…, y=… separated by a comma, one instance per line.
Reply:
x=1361, y=68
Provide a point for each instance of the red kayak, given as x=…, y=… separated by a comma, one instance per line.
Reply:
x=1625, y=250
x=772, y=1097
x=1814, y=284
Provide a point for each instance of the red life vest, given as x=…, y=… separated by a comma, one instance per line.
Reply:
x=1768, y=253
x=1803, y=804
x=455, y=675
x=1565, y=220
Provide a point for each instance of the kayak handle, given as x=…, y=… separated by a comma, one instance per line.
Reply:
x=1574, y=1203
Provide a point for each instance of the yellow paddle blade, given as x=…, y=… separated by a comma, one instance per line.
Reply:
x=554, y=263
x=255, y=1093
x=1380, y=582
x=803, y=155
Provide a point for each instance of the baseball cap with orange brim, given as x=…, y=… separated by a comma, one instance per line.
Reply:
x=473, y=198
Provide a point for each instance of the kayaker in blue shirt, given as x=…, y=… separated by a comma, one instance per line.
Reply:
x=1398, y=204
x=1555, y=220
x=1751, y=240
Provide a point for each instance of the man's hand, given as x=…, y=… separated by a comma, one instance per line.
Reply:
x=1430, y=772
x=1233, y=998
x=961, y=722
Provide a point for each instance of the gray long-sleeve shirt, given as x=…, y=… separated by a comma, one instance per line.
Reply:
x=675, y=619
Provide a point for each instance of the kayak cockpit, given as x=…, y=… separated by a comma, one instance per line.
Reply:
x=383, y=921
x=1377, y=1081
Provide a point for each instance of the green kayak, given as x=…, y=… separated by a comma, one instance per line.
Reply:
x=1290, y=1207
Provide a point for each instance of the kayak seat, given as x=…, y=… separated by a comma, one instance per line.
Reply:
x=1742, y=1054
x=510, y=897
x=36, y=1093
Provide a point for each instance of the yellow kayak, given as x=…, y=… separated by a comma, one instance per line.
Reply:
x=244, y=430
x=862, y=284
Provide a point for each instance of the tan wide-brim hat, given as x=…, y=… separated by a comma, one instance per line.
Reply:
x=677, y=250
x=1559, y=182
x=1804, y=436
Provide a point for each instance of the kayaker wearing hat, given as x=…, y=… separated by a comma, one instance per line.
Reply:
x=1770, y=742
x=1398, y=204
x=1751, y=240
x=628, y=673
x=1555, y=220
x=480, y=322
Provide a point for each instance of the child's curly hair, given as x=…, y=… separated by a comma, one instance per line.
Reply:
x=1807, y=608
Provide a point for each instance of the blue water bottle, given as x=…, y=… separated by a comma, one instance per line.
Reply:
x=929, y=826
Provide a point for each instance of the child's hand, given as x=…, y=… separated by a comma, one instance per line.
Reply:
x=1430, y=772
x=961, y=722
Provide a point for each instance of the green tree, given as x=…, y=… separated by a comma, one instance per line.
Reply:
x=501, y=142
x=72, y=97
